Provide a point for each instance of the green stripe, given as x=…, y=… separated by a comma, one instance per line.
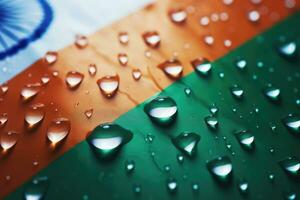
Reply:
x=79, y=173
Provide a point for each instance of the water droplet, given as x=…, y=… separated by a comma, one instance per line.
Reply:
x=51, y=57
x=152, y=39
x=204, y=21
x=290, y=195
x=291, y=165
x=187, y=143
x=271, y=177
x=177, y=16
x=36, y=189
x=241, y=64
x=187, y=91
x=272, y=93
x=243, y=186
x=180, y=158
x=292, y=123
x=9, y=139
x=149, y=138
x=246, y=139
x=202, y=66
x=45, y=79
x=137, y=189
x=172, y=185
x=58, y=130
x=81, y=41
x=89, y=113
x=211, y=122
x=123, y=59
x=228, y=2
x=213, y=109
x=3, y=89
x=287, y=49
x=129, y=166
x=3, y=119
x=220, y=168
x=172, y=68
x=29, y=91
x=107, y=139
x=136, y=74
x=92, y=68
x=109, y=85
x=209, y=40
x=123, y=38
x=161, y=110
x=167, y=168
x=253, y=16
x=237, y=91
x=195, y=187
x=74, y=79
x=34, y=115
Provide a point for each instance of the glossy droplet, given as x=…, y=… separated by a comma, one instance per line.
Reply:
x=237, y=91
x=136, y=74
x=45, y=79
x=172, y=68
x=187, y=143
x=273, y=94
x=195, y=187
x=3, y=119
x=187, y=91
x=137, y=189
x=180, y=158
x=92, y=68
x=161, y=110
x=211, y=122
x=178, y=16
x=172, y=185
x=291, y=165
x=29, y=91
x=109, y=85
x=129, y=166
x=107, y=139
x=271, y=177
x=3, y=89
x=51, y=57
x=123, y=59
x=241, y=64
x=202, y=66
x=81, y=41
x=213, y=109
x=152, y=39
x=246, y=139
x=34, y=115
x=74, y=79
x=36, y=189
x=292, y=123
x=208, y=39
x=88, y=113
x=9, y=139
x=58, y=130
x=220, y=168
x=243, y=186
x=123, y=38
x=290, y=195
x=287, y=49
x=253, y=16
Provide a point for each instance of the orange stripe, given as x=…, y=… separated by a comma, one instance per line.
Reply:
x=103, y=50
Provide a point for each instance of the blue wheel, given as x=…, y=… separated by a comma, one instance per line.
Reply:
x=21, y=22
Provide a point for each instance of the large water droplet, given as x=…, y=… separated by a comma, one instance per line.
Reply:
x=292, y=123
x=136, y=74
x=172, y=68
x=177, y=16
x=151, y=38
x=123, y=59
x=123, y=38
x=109, y=85
x=202, y=66
x=187, y=143
x=81, y=41
x=237, y=91
x=34, y=115
x=74, y=79
x=58, y=130
x=172, y=185
x=51, y=57
x=3, y=119
x=29, y=91
x=220, y=168
x=272, y=93
x=287, y=49
x=9, y=139
x=211, y=122
x=161, y=110
x=107, y=139
x=246, y=139
x=36, y=189
x=291, y=165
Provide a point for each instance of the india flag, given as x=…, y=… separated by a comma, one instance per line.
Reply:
x=154, y=100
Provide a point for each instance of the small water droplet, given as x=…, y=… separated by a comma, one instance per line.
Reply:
x=177, y=16
x=271, y=177
x=187, y=91
x=202, y=66
x=161, y=110
x=211, y=122
x=241, y=64
x=246, y=139
x=287, y=49
x=209, y=40
x=36, y=189
x=204, y=21
x=213, y=109
x=34, y=115
x=152, y=39
x=137, y=189
x=107, y=139
x=129, y=166
x=109, y=85
x=172, y=185
x=89, y=113
x=272, y=93
x=253, y=16
x=243, y=186
x=228, y=2
x=172, y=68
x=220, y=168
x=58, y=130
x=51, y=57
x=149, y=138
x=180, y=158
x=136, y=74
x=237, y=91
x=9, y=139
x=292, y=123
x=29, y=91
x=195, y=187
x=74, y=79
x=290, y=195
x=187, y=143
x=81, y=41
x=123, y=38
x=167, y=168
x=92, y=69
x=3, y=119
x=123, y=59
x=291, y=165
x=45, y=79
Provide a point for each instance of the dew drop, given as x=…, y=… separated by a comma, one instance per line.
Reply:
x=243, y=186
x=220, y=168
x=3, y=119
x=290, y=195
x=209, y=40
x=172, y=185
x=89, y=113
x=180, y=158
x=178, y=16
x=161, y=110
x=74, y=79
x=287, y=49
x=36, y=189
x=107, y=139
x=152, y=39
x=292, y=123
x=241, y=64
x=187, y=91
x=137, y=189
x=123, y=38
x=58, y=130
x=237, y=91
x=291, y=165
x=92, y=69
x=195, y=187
x=51, y=57
x=9, y=139
x=129, y=166
x=81, y=41
x=187, y=143
x=123, y=59
x=172, y=68
x=34, y=115
x=29, y=91
x=246, y=139
x=204, y=21
x=45, y=79
x=3, y=89
x=272, y=93
x=211, y=122
x=213, y=109
x=202, y=66
x=136, y=74
x=253, y=16
x=109, y=85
